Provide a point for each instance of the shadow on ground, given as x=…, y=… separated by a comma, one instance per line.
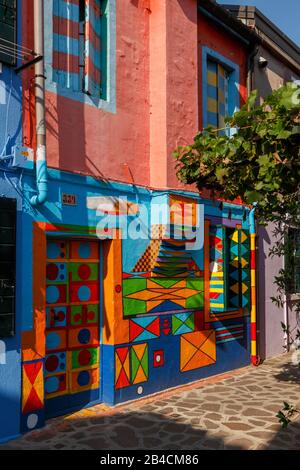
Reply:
x=289, y=372
x=146, y=431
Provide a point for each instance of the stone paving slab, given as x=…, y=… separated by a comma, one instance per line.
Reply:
x=233, y=411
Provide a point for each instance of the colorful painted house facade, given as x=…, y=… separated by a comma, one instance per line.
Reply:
x=126, y=282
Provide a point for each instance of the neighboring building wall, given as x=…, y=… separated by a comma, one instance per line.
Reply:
x=273, y=76
x=10, y=357
x=271, y=336
x=283, y=65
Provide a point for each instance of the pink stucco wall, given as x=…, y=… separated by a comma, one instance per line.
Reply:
x=85, y=139
x=158, y=76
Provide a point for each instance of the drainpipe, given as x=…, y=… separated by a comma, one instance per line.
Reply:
x=254, y=356
x=41, y=158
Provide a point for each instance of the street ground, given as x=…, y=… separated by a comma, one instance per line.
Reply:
x=232, y=411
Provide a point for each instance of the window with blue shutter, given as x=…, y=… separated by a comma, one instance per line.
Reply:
x=8, y=33
x=77, y=45
x=8, y=212
x=217, y=94
x=220, y=89
x=229, y=269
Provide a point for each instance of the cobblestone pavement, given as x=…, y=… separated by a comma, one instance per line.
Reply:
x=233, y=411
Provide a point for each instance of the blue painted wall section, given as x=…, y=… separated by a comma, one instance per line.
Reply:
x=10, y=187
x=165, y=333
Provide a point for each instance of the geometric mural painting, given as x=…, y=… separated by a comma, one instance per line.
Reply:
x=197, y=349
x=217, y=266
x=139, y=363
x=122, y=367
x=158, y=295
x=131, y=365
x=238, y=268
x=225, y=334
x=183, y=323
x=229, y=269
x=33, y=391
x=167, y=257
x=72, y=318
x=142, y=329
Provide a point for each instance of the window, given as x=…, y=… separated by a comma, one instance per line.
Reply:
x=7, y=266
x=217, y=94
x=8, y=16
x=220, y=89
x=295, y=261
x=229, y=268
x=77, y=51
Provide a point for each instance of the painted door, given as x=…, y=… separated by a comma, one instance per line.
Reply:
x=72, y=375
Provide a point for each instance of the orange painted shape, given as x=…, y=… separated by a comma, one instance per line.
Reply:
x=115, y=328
x=32, y=387
x=33, y=342
x=197, y=349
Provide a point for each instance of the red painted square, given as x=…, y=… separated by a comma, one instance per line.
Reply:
x=158, y=358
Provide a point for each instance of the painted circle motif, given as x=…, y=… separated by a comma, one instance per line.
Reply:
x=52, y=294
x=77, y=317
x=51, y=363
x=53, y=250
x=32, y=421
x=140, y=390
x=52, y=271
x=91, y=315
x=53, y=340
x=84, y=357
x=52, y=384
x=60, y=315
x=84, y=271
x=118, y=288
x=84, y=250
x=158, y=358
x=83, y=378
x=84, y=293
x=84, y=336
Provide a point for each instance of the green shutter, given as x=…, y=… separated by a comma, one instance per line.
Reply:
x=7, y=266
x=8, y=20
x=297, y=261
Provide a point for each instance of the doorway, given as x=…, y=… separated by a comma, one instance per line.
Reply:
x=72, y=362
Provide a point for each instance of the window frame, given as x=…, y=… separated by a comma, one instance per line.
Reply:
x=233, y=81
x=107, y=101
x=8, y=60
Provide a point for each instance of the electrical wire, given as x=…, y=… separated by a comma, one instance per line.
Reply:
x=14, y=49
x=18, y=45
x=14, y=53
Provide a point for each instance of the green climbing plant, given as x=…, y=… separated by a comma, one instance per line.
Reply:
x=256, y=158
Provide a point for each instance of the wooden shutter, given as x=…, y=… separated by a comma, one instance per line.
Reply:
x=238, y=241
x=93, y=48
x=66, y=47
x=8, y=36
x=222, y=96
x=218, y=268
x=294, y=260
x=212, y=93
x=229, y=269
x=7, y=266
